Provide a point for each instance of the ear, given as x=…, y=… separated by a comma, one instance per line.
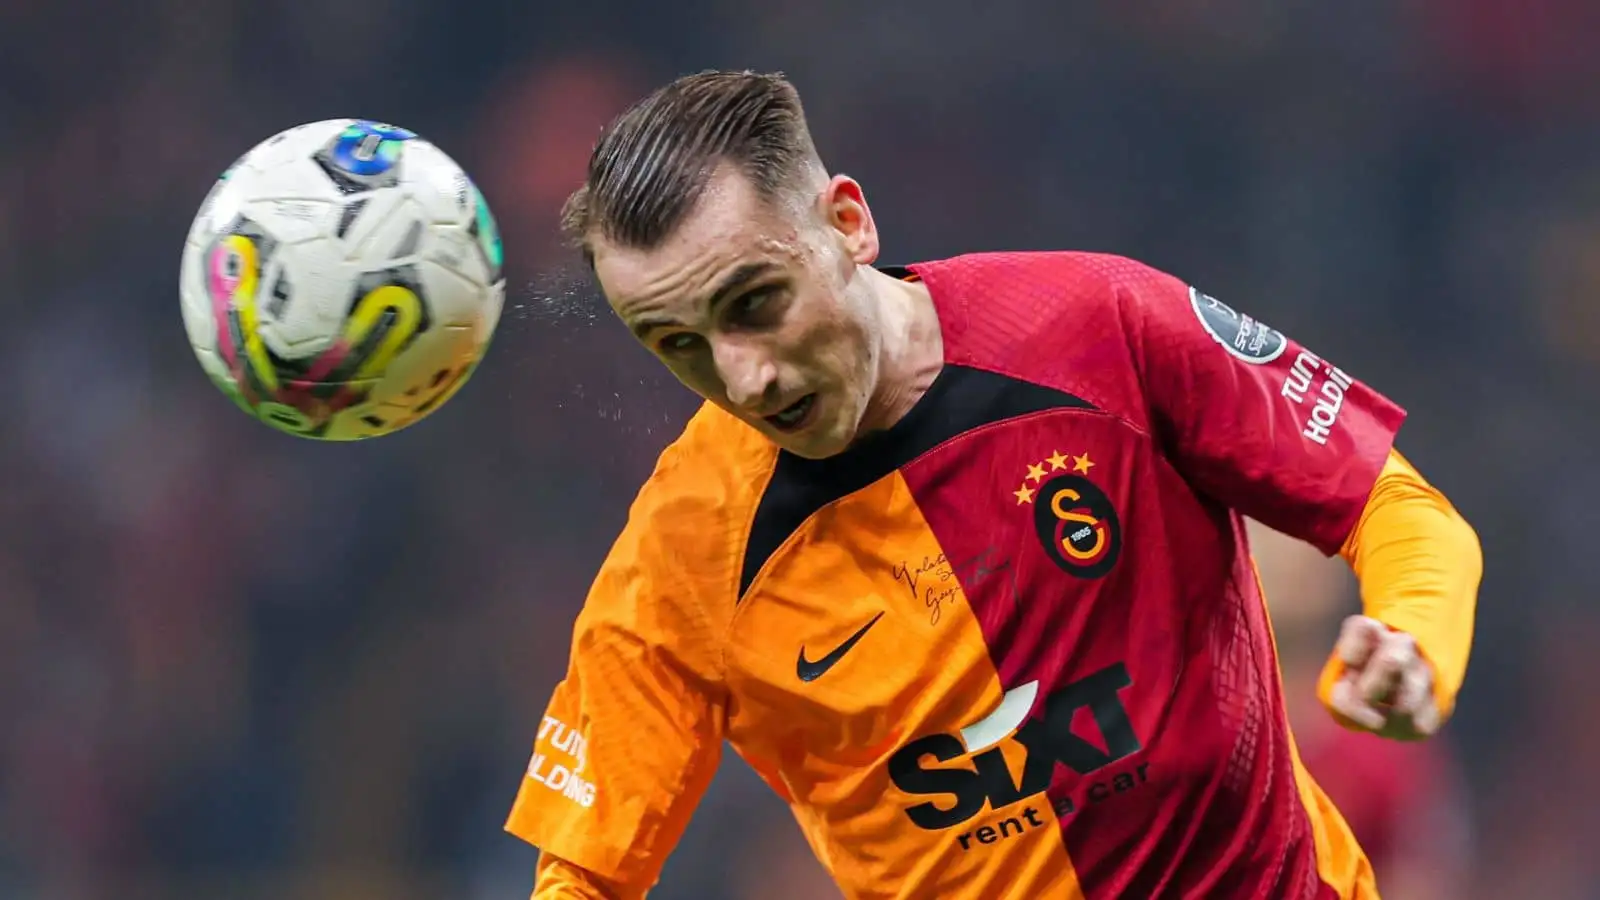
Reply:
x=845, y=207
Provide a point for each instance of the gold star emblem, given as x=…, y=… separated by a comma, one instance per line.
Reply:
x=1023, y=494
x=1035, y=472
x=1082, y=464
x=1057, y=461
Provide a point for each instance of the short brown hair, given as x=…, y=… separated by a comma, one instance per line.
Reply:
x=652, y=163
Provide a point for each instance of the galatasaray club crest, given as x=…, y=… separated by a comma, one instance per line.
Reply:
x=1075, y=520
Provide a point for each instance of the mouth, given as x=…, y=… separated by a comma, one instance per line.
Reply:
x=795, y=416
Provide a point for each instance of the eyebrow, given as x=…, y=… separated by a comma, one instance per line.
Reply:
x=737, y=279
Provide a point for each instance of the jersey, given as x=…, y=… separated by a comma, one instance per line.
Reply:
x=1012, y=646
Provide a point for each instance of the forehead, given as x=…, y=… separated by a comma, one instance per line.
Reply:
x=729, y=227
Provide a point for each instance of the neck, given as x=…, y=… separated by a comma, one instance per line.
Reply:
x=912, y=352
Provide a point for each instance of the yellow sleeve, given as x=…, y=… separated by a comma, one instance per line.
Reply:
x=632, y=735
x=557, y=879
x=1419, y=565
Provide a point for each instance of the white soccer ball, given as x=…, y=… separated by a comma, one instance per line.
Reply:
x=342, y=280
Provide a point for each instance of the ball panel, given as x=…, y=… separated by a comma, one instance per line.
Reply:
x=434, y=180
x=315, y=276
x=293, y=221
x=456, y=250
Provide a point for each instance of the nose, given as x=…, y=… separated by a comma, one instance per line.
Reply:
x=748, y=374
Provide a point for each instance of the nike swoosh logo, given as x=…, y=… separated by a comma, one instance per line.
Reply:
x=811, y=671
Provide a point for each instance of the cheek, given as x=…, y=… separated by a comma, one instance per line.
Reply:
x=854, y=334
x=828, y=342
x=697, y=375
x=846, y=354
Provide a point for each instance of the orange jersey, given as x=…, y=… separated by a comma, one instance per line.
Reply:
x=1013, y=646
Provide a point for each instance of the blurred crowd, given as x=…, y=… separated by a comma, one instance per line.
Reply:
x=235, y=664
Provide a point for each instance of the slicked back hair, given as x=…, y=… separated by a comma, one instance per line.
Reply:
x=653, y=162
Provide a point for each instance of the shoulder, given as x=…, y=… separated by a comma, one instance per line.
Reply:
x=993, y=303
x=687, y=525
x=1042, y=280
x=714, y=468
x=1071, y=320
x=665, y=595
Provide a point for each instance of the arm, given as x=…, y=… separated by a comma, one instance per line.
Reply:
x=1248, y=416
x=1419, y=565
x=557, y=879
x=1263, y=425
x=633, y=734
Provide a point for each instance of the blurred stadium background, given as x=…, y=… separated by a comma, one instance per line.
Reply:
x=237, y=665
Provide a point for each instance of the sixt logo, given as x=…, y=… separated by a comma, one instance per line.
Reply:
x=978, y=778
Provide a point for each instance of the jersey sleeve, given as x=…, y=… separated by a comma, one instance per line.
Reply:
x=1419, y=564
x=632, y=734
x=1248, y=415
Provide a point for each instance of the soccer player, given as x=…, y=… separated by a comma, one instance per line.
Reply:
x=954, y=554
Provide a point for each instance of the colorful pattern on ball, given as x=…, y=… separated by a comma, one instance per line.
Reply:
x=369, y=148
x=487, y=231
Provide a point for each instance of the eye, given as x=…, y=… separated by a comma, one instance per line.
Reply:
x=679, y=342
x=754, y=300
x=756, y=306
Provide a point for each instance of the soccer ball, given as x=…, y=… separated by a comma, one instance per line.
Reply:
x=342, y=280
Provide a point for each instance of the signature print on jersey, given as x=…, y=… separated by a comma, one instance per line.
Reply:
x=937, y=581
x=1075, y=520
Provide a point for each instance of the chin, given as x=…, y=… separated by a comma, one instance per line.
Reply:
x=822, y=440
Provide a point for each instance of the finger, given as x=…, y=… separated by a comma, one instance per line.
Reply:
x=1358, y=638
x=1415, y=704
x=1346, y=701
x=1415, y=691
x=1380, y=679
x=1427, y=720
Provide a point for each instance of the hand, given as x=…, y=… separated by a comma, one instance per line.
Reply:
x=1386, y=685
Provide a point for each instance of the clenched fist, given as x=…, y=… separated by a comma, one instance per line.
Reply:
x=1383, y=683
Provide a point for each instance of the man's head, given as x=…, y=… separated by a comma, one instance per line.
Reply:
x=722, y=242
